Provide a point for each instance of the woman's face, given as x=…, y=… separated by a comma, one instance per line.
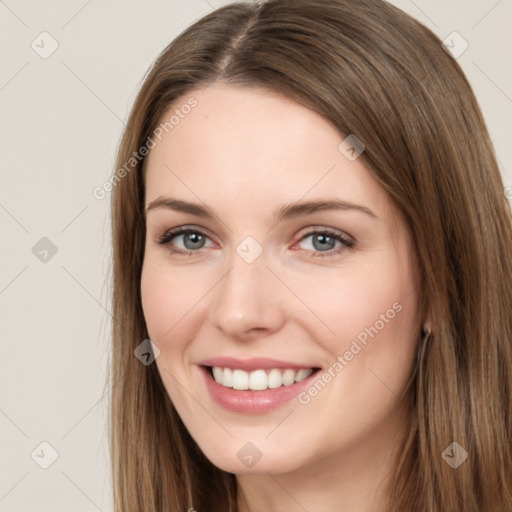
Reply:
x=295, y=277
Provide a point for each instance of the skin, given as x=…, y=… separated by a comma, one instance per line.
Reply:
x=244, y=152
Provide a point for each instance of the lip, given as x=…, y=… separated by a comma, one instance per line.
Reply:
x=255, y=363
x=253, y=402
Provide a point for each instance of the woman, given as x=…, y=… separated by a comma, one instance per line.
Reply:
x=310, y=226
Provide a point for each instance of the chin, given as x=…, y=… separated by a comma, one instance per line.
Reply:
x=246, y=457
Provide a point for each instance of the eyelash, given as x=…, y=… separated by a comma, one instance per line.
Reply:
x=171, y=235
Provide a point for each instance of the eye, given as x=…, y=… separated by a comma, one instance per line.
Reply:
x=322, y=242
x=326, y=242
x=191, y=239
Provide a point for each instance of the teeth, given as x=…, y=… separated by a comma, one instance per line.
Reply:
x=240, y=379
x=259, y=380
x=288, y=377
x=302, y=374
x=274, y=379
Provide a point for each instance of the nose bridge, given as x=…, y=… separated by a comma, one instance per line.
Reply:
x=245, y=300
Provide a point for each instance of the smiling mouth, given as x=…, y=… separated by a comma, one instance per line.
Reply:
x=258, y=380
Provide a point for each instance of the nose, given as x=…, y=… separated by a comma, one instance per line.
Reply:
x=248, y=303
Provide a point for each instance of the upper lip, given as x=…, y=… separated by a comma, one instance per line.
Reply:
x=255, y=363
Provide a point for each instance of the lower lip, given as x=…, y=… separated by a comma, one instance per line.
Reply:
x=253, y=402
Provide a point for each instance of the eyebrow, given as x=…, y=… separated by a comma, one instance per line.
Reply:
x=284, y=212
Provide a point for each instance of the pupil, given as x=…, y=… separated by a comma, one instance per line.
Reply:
x=196, y=240
x=323, y=240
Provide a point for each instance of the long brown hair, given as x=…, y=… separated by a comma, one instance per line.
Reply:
x=377, y=73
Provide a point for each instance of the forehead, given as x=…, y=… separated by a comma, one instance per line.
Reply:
x=238, y=144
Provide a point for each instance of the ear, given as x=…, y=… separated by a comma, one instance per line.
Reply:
x=427, y=320
x=427, y=324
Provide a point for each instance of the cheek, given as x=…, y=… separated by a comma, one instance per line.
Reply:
x=173, y=300
x=156, y=302
x=374, y=316
x=162, y=305
x=358, y=306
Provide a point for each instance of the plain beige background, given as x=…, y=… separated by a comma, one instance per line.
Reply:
x=61, y=120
